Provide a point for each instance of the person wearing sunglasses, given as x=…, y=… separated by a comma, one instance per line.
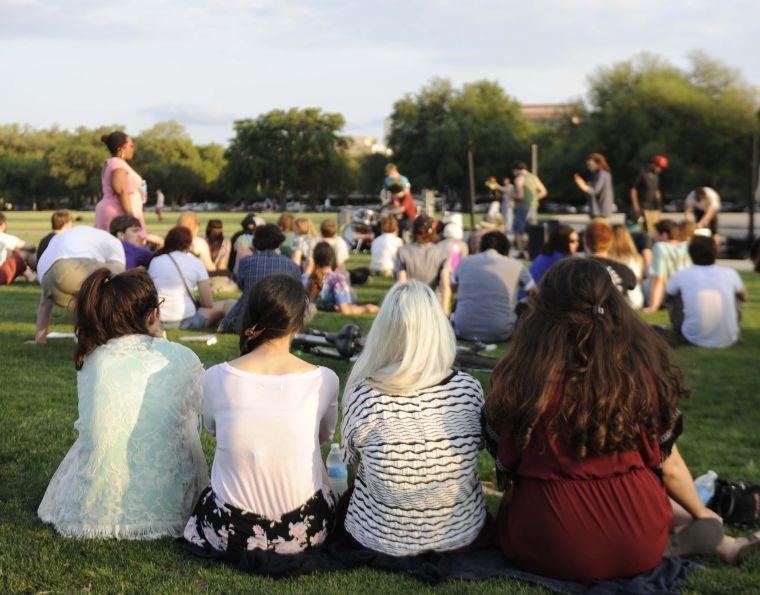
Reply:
x=137, y=466
x=124, y=190
x=563, y=242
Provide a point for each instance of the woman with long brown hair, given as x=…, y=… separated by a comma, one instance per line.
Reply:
x=137, y=466
x=598, y=187
x=623, y=250
x=583, y=419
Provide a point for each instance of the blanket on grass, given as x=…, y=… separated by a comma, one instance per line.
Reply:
x=432, y=568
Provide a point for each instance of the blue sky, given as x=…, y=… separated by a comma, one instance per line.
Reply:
x=206, y=63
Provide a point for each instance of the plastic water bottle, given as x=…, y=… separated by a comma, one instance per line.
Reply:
x=706, y=485
x=337, y=470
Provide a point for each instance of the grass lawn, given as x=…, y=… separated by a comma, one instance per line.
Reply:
x=39, y=407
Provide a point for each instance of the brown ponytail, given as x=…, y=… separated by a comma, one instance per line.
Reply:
x=324, y=256
x=110, y=306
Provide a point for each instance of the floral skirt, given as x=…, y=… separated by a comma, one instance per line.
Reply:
x=218, y=526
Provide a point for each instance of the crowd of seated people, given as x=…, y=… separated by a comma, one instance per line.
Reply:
x=582, y=417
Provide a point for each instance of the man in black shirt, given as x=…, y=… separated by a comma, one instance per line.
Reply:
x=646, y=198
x=598, y=239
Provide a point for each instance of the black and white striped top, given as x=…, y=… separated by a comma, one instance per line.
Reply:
x=417, y=485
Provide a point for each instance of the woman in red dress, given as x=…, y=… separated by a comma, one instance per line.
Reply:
x=581, y=416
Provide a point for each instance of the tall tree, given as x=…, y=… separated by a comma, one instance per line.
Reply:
x=298, y=150
x=432, y=131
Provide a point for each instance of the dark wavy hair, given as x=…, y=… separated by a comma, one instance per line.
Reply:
x=277, y=306
x=559, y=240
x=114, y=141
x=110, y=306
x=214, y=236
x=585, y=365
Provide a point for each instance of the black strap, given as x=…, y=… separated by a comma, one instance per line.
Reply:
x=184, y=280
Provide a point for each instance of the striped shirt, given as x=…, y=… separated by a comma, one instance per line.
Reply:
x=417, y=486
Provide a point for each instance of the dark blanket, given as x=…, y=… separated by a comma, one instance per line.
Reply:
x=669, y=577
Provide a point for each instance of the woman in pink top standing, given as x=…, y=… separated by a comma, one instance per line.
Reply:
x=123, y=187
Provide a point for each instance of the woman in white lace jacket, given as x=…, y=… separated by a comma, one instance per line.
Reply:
x=137, y=466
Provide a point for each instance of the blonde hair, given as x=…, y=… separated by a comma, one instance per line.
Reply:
x=410, y=346
x=189, y=220
x=303, y=226
x=623, y=247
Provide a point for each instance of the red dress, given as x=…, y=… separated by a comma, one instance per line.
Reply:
x=602, y=517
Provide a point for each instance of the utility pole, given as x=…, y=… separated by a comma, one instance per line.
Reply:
x=471, y=168
x=534, y=159
x=755, y=181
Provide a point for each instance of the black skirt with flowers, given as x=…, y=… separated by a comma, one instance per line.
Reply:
x=218, y=526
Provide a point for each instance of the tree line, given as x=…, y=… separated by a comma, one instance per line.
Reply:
x=702, y=117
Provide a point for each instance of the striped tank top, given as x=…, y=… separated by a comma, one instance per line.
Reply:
x=417, y=487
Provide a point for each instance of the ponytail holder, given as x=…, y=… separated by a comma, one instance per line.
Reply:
x=598, y=310
x=253, y=332
x=111, y=276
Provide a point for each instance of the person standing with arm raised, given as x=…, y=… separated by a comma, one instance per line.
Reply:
x=601, y=194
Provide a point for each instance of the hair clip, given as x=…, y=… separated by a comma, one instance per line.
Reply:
x=598, y=310
x=253, y=332
x=111, y=276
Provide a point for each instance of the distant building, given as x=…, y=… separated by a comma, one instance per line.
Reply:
x=547, y=113
x=358, y=146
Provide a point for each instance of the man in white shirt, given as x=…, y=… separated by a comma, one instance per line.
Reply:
x=15, y=256
x=702, y=205
x=70, y=258
x=385, y=249
x=705, y=298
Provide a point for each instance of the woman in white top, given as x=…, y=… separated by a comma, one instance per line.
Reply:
x=137, y=466
x=623, y=250
x=177, y=275
x=270, y=411
x=385, y=248
x=412, y=429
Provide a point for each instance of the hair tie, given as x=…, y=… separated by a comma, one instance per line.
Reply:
x=253, y=332
x=598, y=310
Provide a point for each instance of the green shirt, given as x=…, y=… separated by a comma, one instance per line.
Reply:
x=530, y=191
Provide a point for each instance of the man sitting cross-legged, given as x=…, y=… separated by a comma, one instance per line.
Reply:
x=704, y=298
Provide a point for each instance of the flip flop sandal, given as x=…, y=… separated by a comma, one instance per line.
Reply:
x=749, y=550
x=702, y=536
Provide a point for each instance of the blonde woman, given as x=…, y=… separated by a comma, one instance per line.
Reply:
x=623, y=250
x=200, y=247
x=411, y=428
x=304, y=240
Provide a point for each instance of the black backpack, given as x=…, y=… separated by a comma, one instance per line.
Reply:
x=736, y=502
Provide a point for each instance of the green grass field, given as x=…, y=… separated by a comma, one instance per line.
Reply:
x=39, y=406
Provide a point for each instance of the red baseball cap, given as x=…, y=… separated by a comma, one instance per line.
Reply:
x=660, y=161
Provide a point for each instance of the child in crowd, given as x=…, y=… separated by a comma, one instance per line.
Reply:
x=285, y=223
x=329, y=231
x=412, y=430
x=269, y=411
x=329, y=289
x=16, y=255
x=304, y=240
x=127, y=230
x=385, y=248
x=137, y=466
